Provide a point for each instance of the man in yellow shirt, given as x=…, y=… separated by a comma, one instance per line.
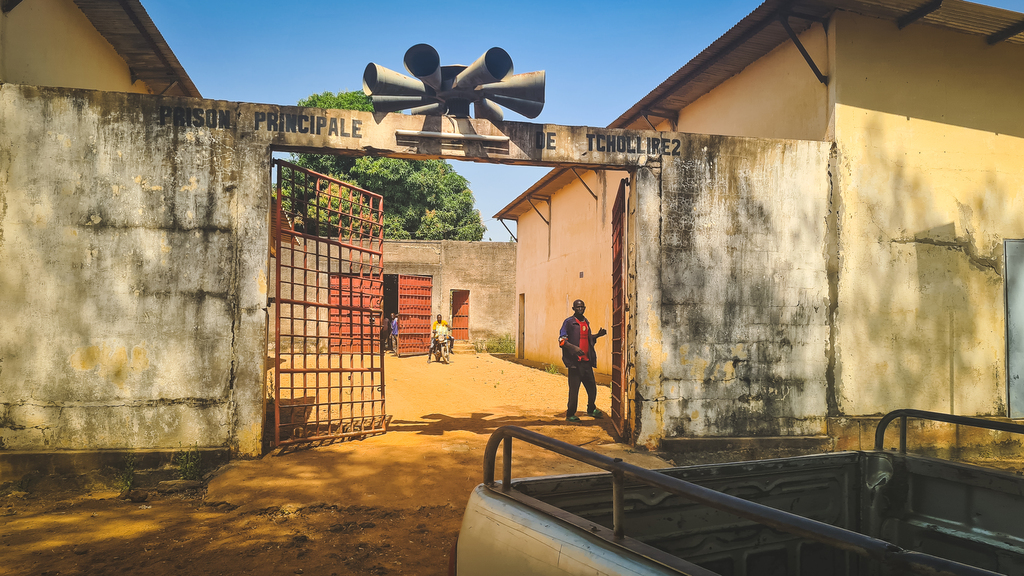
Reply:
x=444, y=332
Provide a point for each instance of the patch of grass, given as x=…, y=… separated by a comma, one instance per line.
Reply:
x=552, y=369
x=189, y=463
x=503, y=344
x=124, y=478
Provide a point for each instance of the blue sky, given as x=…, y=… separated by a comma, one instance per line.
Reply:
x=601, y=57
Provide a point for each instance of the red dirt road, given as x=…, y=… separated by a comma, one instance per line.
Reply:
x=389, y=504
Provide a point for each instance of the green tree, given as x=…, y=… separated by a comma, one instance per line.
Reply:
x=423, y=199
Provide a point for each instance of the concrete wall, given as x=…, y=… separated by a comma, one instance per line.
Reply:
x=731, y=324
x=132, y=275
x=134, y=255
x=930, y=139
x=778, y=96
x=570, y=258
x=486, y=269
x=52, y=43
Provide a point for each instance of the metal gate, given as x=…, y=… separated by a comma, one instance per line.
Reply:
x=414, y=314
x=619, y=402
x=460, y=314
x=327, y=250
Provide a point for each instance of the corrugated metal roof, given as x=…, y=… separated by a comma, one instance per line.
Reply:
x=759, y=33
x=129, y=29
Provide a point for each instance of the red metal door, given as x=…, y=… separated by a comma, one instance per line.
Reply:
x=460, y=314
x=414, y=314
x=329, y=377
x=619, y=401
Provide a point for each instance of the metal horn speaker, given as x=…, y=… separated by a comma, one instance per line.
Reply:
x=397, y=103
x=522, y=93
x=494, y=66
x=487, y=84
x=423, y=62
x=379, y=81
x=487, y=110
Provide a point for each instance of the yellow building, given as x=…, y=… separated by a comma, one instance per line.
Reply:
x=93, y=44
x=922, y=104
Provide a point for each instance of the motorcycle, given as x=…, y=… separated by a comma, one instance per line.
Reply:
x=442, y=348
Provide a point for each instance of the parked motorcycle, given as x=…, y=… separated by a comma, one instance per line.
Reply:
x=442, y=348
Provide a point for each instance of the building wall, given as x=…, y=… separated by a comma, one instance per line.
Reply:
x=732, y=296
x=486, y=269
x=52, y=43
x=133, y=260
x=930, y=139
x=551, y=259
x=778, y=96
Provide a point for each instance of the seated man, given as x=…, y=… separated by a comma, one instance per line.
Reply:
x=439, y=328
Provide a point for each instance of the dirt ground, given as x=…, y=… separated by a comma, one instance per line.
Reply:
x=389, y=504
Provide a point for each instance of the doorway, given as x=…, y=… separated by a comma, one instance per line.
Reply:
x=460, y=314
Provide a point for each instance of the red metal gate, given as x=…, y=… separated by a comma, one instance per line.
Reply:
x=460, y=314
x=619, y=402
x=329, y=376
x=414, y=314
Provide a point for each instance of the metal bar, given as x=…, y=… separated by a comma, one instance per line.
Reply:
x=584, y=183
x=823, y=20
x=169, y=86
x=1006, y=33
x=618, y=502
x=453, y=136
x=903, y=434
x=528, y=199
x=940, y=417
x=810, y=62
x=915, y=15
x=649, y=123
x=506, y=474
x=325, y=370
x=892, y=556
x=364, y=432
x=277, y=310
x=507, y=230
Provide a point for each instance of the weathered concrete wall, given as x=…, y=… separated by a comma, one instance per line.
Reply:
x=732, y=293
x=486, y=269
x=134, y=252
x=132, y=275
x=929, y=182
x=52, y=43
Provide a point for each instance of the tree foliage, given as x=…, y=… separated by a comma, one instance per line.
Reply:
x=423, y=199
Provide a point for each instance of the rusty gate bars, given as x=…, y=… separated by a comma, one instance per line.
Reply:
x=329, y=287
x=938, y=417
x=619, y=408
x=841, y=538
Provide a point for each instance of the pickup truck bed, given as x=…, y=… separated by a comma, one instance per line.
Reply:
x=845, y=513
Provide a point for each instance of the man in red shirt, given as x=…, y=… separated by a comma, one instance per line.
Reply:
x=577, y=343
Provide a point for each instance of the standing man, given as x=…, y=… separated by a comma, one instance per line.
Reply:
x=578, y=355
x=385, y=332
x=394, y=333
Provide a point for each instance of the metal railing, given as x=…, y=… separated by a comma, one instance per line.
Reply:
x=939, y=417
x=888, y=554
